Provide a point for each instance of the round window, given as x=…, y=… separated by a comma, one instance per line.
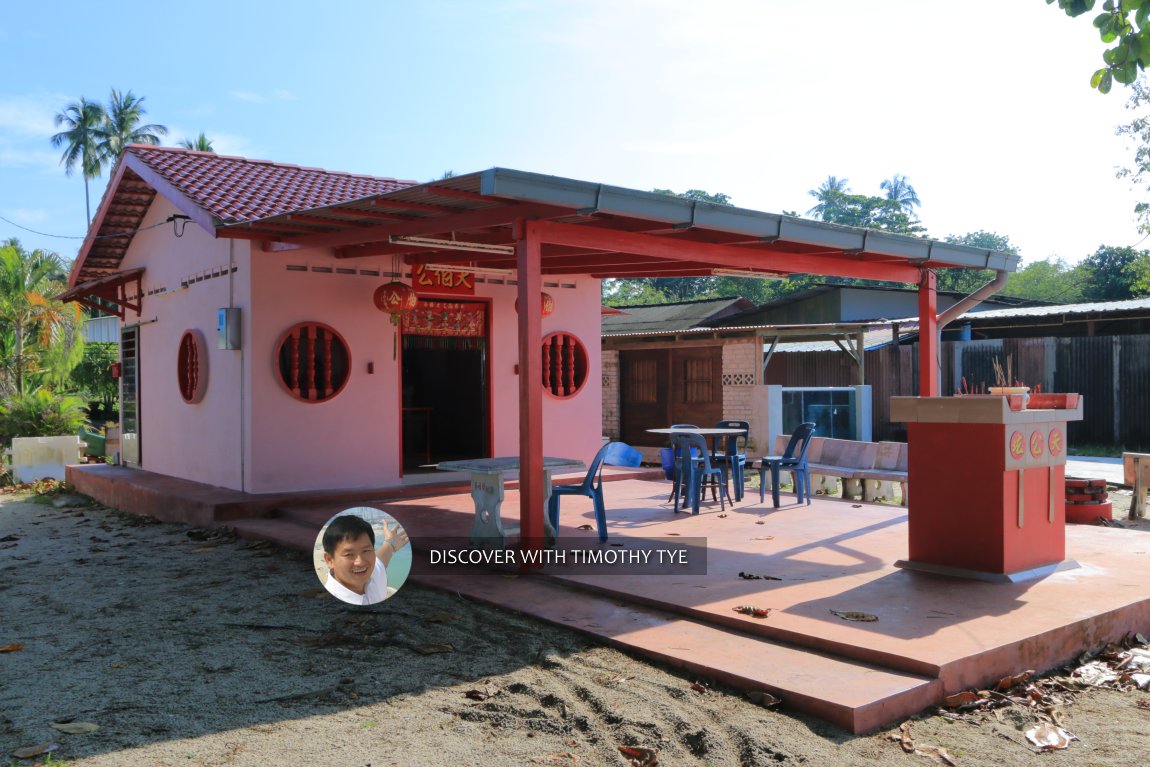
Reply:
x=313, y=362
x=192, y=366
x=564, y=365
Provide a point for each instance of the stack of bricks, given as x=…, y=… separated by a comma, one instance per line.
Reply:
x=1086, y=501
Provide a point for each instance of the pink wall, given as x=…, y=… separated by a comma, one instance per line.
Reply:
x=353, y=440
x=201, y=441
x=567, y=432
x=248, y=419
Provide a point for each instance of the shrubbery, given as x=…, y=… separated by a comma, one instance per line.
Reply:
x=40, y=413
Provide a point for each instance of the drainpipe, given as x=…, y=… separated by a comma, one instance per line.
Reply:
x=930, y=333
x=974, y=299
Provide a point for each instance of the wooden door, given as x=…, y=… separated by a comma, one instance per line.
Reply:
x=643, y=400
x=697, y=385
x=660, y=387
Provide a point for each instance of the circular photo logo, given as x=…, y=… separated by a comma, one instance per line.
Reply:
x=362, y=556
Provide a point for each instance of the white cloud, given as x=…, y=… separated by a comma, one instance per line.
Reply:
x=24, y=157
x=29, y=115
x=28, y=215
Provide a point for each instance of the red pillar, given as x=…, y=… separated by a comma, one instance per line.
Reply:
x=528, y=243
x=928, y=343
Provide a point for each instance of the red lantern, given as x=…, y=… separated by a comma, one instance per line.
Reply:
x=395, y=298
x=546, y=305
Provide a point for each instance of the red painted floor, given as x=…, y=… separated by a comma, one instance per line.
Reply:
x=934, y=635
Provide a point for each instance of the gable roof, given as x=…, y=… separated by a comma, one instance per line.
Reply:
x=213, y=190
x=663, y=318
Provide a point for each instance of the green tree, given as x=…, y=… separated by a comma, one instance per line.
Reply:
x=866, y=212
x=93, y=381
x=122, y=127
x=969, y=280
x=662, y=290
x=827, y=195
x=82, y=122
x=893, y=213
x=1112, y=273
x=200, y=143
x=1140, y=284
x=1050, y=280
x=1138, y=132
x=899, y=190
x=1123, y=23
x=40, y=338
x=40, y=413
x=702, y=196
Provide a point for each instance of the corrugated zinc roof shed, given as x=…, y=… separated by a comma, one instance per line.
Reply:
x=662, y=318
x=1056, y=310
x=872, y=339
x=1098, y=307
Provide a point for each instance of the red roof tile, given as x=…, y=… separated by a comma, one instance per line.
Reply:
x=228, y=189
x=236, y=189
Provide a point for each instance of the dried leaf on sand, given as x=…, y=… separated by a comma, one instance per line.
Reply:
x=75, y=728
x=763, y=698
x=489, y=690
x=1049, y=737
x=639, y=757
x=36, y=750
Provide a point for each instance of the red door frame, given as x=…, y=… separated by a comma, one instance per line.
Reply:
x=455, y=299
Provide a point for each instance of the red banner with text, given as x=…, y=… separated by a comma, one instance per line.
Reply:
x=439, y=281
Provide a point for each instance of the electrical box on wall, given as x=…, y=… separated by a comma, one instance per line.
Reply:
x=228, y=328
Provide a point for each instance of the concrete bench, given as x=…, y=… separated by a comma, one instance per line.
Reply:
x=1136, y=473
x=890, y=466
x=866, y=469
x=833, y=459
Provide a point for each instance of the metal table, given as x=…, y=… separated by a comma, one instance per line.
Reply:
x=703, y=431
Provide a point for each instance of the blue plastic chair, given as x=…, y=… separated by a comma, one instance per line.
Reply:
x=676, y=475
x=611, y=454
x=695, y=468
x=794, y=460
x=727, y=449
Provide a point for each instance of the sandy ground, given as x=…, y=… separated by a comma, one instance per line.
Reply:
x=187, y=647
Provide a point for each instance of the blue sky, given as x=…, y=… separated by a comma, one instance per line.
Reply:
x=983, y=104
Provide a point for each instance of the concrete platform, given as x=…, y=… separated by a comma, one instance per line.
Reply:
x=934, y=635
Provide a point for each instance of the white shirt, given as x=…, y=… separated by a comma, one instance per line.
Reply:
x=375, y=591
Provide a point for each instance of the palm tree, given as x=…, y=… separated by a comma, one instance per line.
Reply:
x=900, y=190
x=122, y=126
x=200, y=143
x=40, y=336
x=82, y=122
x=825, y=194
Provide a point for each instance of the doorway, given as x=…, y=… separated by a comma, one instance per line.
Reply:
x=445, y=384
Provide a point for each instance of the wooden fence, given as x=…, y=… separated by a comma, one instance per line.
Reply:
x=1112, y=373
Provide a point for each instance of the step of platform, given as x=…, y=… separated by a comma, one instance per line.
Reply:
x=861, y=698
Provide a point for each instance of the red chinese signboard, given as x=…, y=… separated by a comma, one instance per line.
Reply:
x=440, y=318
x=437, y=281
